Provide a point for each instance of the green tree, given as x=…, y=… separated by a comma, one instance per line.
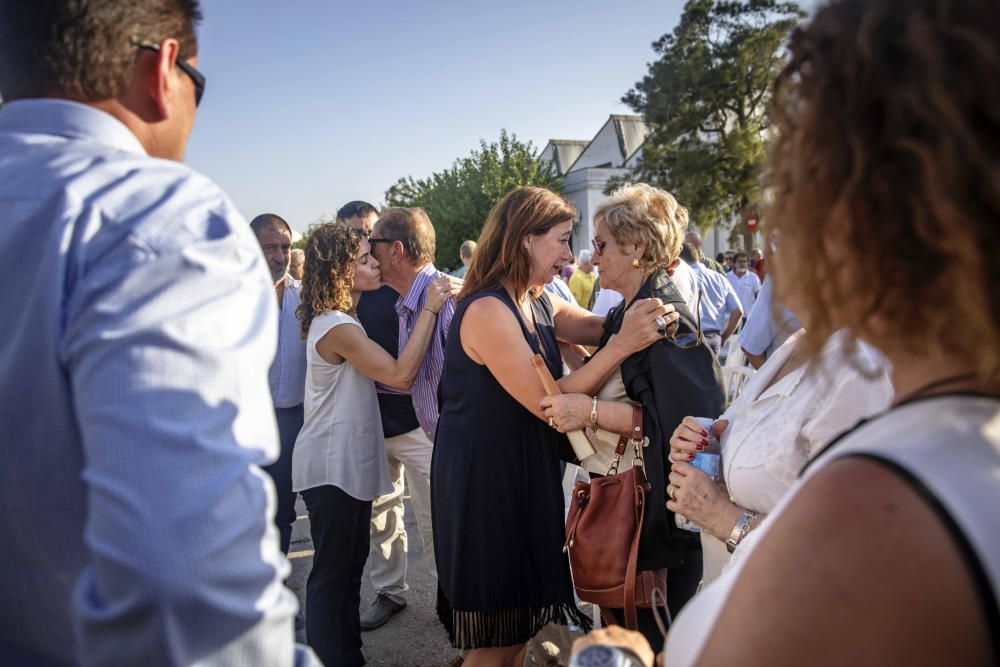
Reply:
x=706, y=100
x=458, y=199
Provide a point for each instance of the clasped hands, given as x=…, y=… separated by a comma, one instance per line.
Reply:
x=690, y=492
x=644, y=323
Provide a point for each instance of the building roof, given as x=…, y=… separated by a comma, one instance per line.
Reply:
x=563, y=152
x=617, y=140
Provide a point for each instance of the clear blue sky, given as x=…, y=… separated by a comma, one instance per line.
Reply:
x=313, y=103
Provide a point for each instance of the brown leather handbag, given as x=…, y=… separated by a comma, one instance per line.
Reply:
x=602, y=535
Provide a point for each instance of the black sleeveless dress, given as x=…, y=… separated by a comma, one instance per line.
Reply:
x=497, y=502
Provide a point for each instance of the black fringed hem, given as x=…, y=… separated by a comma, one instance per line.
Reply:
x=504, y=627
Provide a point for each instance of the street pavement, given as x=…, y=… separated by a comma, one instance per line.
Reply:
x=413, y=637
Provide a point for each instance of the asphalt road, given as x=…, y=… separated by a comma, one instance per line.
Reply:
x=413, y=637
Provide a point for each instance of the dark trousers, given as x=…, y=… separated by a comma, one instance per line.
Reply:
x=289, y=424
x=682, y=584
x=339, y=525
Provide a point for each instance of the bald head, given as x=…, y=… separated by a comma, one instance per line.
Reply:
x=297, y=263
x=694, y=238
x=268, y=221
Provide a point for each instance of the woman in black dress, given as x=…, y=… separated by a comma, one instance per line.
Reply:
x=495, y=480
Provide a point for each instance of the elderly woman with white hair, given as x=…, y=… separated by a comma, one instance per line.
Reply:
x=638, y=236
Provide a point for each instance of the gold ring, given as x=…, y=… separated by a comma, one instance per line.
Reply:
x=670, y=492
x=552, y=424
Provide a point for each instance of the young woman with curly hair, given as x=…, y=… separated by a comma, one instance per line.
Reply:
x=886, y=182
x=339, y=462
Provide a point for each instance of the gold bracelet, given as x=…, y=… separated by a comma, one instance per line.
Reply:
x=593, y=414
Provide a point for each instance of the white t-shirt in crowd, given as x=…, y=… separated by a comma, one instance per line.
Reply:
x=341, y=442
x=747, y=288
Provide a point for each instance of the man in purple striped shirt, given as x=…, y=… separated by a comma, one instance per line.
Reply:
x=403, y=242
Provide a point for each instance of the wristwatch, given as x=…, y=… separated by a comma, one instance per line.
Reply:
x=740, y=530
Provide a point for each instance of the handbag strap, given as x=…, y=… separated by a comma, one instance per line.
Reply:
x=637, y=441
x=631, y=618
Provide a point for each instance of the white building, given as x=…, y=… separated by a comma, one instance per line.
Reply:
x=587, y=166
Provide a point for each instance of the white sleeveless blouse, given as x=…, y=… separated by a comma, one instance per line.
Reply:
x=910, y=439
x=341, y=442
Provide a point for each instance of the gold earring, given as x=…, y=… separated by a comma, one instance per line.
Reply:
x=635, y=262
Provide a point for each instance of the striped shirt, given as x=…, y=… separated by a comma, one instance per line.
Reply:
x=424, y=390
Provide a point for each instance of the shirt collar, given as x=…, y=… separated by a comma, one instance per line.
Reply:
x=68, y=119
x=415, y=295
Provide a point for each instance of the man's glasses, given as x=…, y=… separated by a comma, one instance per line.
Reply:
x=598, y=246
x=372, y=241
x=196, y=77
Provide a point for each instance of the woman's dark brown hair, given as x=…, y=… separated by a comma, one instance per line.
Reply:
x=500, y=253
x=331, y=253
x=885, y=177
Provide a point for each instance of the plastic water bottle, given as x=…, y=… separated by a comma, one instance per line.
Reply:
x=709, y=461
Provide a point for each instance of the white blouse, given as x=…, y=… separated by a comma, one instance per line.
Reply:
x=605, y=442
x=341, y=442
x=773, y=431
x=912, y=437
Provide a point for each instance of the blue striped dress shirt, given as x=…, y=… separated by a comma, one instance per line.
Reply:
x=409, y=307
x=140, y=323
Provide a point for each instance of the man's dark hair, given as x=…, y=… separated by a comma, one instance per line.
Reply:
x=688, y=253
x=355, y=209
x=741, y=254
x=266, y=221
x=84, y=50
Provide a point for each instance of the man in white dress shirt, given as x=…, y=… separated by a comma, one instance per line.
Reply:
x=287, y=375
x=744, y=281
x=134, y=364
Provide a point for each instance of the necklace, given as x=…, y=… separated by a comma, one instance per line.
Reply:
x=924, y=390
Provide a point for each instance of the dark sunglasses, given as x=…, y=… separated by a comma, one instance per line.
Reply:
x=372, y=241
x=196, y=77
x=598, y=246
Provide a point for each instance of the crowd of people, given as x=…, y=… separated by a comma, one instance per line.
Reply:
x=173, y=376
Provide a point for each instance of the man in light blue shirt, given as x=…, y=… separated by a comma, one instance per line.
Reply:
x=287, y=376
x=719, y=307
x=134, y=412
x=767, y=326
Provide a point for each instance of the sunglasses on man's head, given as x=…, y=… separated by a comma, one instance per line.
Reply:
x=196, y=77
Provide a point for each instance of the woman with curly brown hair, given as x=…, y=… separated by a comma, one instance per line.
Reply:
x=886, y=176
x=339, y=462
